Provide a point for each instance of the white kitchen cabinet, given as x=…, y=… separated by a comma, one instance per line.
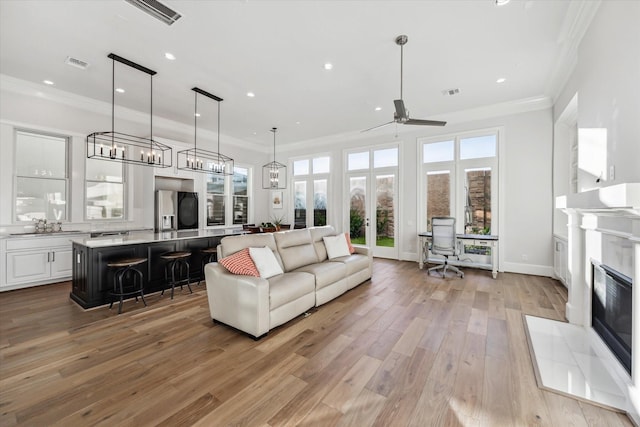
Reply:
x=38, y=260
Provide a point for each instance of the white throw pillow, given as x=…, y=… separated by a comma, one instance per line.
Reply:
x=265, y=262
x=336, y=246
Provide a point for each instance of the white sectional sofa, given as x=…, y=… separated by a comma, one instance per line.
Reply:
x=255, y=304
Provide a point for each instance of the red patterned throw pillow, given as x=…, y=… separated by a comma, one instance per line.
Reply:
x=240, y=263
x=351, y=248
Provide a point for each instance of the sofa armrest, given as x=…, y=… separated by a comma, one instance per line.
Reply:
x=364, y=250
x=238, y=301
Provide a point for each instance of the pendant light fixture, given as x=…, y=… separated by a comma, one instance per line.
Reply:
x=198, y=160
x=121, y=147
x=274, y=174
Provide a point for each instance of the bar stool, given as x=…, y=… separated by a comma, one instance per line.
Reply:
x=208, y=255
x=134, y=287
x=176, y=270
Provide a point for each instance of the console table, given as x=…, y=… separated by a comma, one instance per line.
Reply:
x=482, y=240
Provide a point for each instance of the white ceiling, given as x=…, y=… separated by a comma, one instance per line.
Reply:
x=277, y=50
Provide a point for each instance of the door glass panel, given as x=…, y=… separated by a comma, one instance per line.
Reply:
x=478, y=147
x=477, y=209
x=215, y=209
x=437, y=152
x=300, y=203
x=357, y=209
x=385, y=223
x=385, y=158
x=358, y=161
x=240, y=209
x=320, y=202
x=438, y=195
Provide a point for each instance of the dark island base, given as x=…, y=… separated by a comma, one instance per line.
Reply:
x=92, y=279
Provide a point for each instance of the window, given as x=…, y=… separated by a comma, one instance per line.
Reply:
x=216, y=213
x=229, y=191
x=41, y=177
x=459, y=181
x=310, y=183
x=104, y=189
x=240, y=193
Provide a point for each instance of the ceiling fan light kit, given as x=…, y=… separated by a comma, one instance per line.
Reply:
x=204, y=161
x=122, y=147
x=401, y=114
x=274, y=174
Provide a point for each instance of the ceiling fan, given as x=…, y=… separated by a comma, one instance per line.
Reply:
x=401, y=115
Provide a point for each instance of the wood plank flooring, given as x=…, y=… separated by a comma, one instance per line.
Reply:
x=404, y=349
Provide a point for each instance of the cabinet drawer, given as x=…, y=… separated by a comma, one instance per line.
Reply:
x=38, y=242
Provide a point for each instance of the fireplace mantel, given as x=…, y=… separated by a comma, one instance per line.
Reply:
x=603, y=227
x=620, y=197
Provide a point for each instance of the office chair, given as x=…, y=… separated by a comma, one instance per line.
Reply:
x=443, y=242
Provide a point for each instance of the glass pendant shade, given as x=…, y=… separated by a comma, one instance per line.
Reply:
x=274, y=174
x=121, y=147
x=198, y=160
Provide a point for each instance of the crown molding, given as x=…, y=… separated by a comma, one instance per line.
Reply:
x=579, y=15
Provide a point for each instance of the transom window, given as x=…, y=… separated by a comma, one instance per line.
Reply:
x=310, y=183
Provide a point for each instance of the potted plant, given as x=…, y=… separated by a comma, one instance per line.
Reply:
x=277, y=221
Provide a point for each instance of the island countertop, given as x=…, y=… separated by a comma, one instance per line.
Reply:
x=93, y=278
x=140, y=237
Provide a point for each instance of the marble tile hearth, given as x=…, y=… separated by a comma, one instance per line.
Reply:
x=566, y=362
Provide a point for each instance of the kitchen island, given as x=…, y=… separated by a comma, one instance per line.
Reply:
x=92, y=279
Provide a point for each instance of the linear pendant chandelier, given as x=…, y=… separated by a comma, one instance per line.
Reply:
x=274, y=174
x=122, y=147
x=198, y=160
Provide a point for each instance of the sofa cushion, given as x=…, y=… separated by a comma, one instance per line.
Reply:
x=240, y=263
x=265, y=262
x=353, y=262
x=326, y=273
x=317, y=233
x=336, y=246
x=288, y=287
x=295, y=248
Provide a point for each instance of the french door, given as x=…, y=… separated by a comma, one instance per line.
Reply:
x=373, y=207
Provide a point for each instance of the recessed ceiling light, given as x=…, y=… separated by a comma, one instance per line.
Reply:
x=502, y=2
x=170, y=56
x=48, y=82
x=501, y=80
x=297, y=123
x=120, y=90
x=197, y=114
x=251, y=94
x=328, y=66
x=378, y=108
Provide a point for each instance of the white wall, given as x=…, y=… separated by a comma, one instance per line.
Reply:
x=607, y=81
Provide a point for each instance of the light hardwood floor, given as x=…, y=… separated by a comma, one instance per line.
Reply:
x=404, y=349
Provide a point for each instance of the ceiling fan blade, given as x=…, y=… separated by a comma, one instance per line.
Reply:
x=379, y=126
x=401, y=112
x=424, y=122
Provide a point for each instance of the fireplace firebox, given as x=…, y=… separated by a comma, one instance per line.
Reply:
x=611, y=311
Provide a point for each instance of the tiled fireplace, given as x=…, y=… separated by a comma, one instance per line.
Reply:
x=604, y=235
